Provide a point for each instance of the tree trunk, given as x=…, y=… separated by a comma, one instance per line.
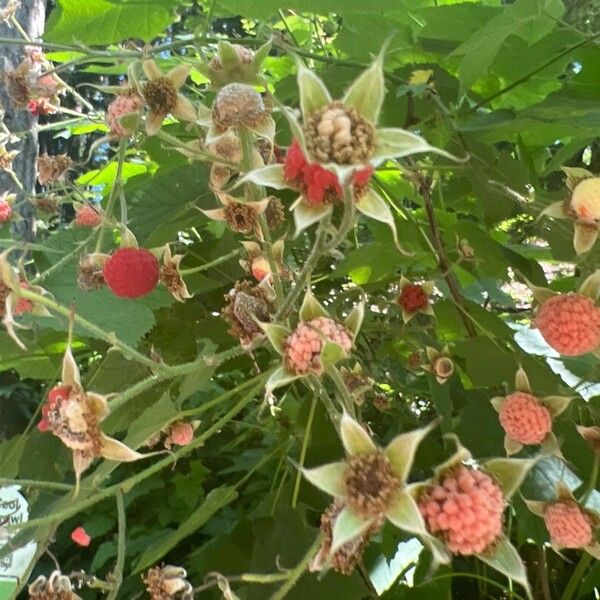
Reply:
x=31, y=15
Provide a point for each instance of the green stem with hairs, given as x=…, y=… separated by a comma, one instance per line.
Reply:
x=117, y=574
x=576, y=577
x=296, y=572
x=110, y=338
x=114, y=192
x=309, y=423
x=212, y=264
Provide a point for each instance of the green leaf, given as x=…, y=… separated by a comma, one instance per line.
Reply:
x=105, y=22
x=216, y=499
x=531, y=19
x=507, y=561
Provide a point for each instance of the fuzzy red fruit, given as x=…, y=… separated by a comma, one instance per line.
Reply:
x=87, y=216
x=56, y=395
x=568, y=525
x=131, y=272
x=5, y=211
x=570, y=323
x=464, y=508
x=525, y=419
x=413, y=298
x=80, y=537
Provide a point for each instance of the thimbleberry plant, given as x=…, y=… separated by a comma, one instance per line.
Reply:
x=299, y=301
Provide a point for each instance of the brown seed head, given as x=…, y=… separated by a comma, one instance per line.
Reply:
x=239, y=105
x=370, y=484
x=160, y=96
x=241, y=217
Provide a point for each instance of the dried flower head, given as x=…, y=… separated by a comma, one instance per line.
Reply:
x=168, y=583
x=161, y=93
x=89, y=275
x=345, y=558
x=239, y=105
x=6, y=158
x=53, y=168
x=242, y=217
x=74, y=416
x=170, y=275
x=370, y=484
x=245, y=305
x=55, y=587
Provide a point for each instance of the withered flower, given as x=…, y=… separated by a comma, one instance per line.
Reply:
x=89, y=275
x=53, y=168
x=74, y=416
x=168, y=583
x=247, y=304
x=55, y=587
x=440, y=364
x=345, y=558
x=162, y=96
x=242, y=217
x=170, y=275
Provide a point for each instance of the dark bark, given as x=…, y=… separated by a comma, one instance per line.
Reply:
x=31, y=15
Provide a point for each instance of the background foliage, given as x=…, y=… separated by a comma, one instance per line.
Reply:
x=512, y=85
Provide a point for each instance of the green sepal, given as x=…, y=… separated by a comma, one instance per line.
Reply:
x=505, y=559
x=509, y=472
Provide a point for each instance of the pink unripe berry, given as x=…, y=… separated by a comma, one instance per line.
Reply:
x=124, y=104
x=303, y=346
x=570, y=323
x=464, y=508
x=525, y=419
x=568, y=525
x=5, y=211
x=181, y=433
x=87, y=216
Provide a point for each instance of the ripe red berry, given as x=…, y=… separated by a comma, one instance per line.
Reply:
x=413, y=298
x=131, y=272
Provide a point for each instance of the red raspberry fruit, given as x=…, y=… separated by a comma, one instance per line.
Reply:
x=570, y=323
x=413, y=298
x=303, y=346
x=5, y=211
x=87, y=216
x=465, y=508
x=525, y=419
x=568, y=525
x=131, y=272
